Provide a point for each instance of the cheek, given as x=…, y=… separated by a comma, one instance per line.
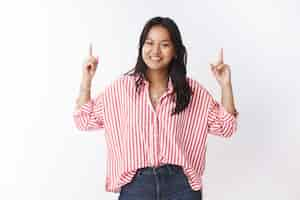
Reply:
x=144, y=54
x=169, y=53
x=144, y=51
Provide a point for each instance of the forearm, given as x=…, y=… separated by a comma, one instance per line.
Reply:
x=228, y=99
x=84, y=94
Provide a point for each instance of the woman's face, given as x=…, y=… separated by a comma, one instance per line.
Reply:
x=158, y=49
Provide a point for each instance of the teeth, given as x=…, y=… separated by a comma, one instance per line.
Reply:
x=155, y=58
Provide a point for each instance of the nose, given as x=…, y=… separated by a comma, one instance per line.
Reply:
x=156, y=49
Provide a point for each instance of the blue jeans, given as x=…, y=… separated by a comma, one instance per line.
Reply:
x=166, y=182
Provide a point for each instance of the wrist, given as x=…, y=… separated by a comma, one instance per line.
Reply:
x=86, y=80
x=226, y=86
x=85, y=83
x=85, y=88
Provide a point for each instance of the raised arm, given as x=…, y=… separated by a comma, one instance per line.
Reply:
x=222, y=73
x=88, y=113
x=89, y=70
x=222, y=118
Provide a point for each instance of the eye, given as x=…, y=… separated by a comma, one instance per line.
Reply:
x=165, y=45
x=148, y=42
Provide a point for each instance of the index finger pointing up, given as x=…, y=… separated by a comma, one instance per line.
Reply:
x=90, y=49
x=221, y=59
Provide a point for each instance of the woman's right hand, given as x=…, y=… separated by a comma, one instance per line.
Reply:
x=90, y=66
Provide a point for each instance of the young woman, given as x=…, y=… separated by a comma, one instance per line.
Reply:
x=156, y=119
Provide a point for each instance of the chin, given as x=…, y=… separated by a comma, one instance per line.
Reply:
x=156, y=68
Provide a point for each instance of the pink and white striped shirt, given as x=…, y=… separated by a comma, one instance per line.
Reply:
x=137, y=135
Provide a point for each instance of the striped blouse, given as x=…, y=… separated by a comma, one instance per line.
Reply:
x=137, y=135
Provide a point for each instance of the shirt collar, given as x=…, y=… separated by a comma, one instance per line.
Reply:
x=170, y=84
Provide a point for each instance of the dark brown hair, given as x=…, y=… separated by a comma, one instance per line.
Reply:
x=177, y=67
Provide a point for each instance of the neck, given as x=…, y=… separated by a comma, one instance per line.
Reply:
x=157, y=79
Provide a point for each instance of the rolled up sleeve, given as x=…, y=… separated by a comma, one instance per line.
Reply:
x=90, y=115
x=221, y=122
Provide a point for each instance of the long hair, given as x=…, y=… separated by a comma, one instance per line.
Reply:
x=176, y=69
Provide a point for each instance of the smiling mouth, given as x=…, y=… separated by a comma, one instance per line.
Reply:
x=155, y=58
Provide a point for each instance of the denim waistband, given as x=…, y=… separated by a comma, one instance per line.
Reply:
x=163, y=169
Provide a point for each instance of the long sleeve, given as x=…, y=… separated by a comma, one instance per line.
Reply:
x=90, y=116
x=220, y=122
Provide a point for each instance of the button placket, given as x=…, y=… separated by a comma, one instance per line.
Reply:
x=152, y=141
x=153, y=144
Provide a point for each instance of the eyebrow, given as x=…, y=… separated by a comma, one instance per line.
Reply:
x=161, y=40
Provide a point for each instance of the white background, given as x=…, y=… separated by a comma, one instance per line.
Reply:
x=43, y=45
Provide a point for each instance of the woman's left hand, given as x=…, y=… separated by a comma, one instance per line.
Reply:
x=221, y=71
